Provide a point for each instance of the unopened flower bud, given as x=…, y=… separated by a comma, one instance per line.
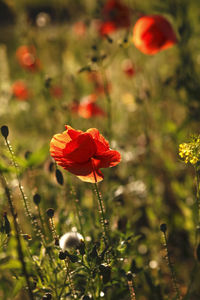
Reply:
x=62, y=255
x=50, y=212
x=5, y=131
x=129, y=276
x=163, y=227
x=36, y=199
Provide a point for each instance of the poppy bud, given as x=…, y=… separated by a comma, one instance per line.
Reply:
x=73, y=258
x=6, y=224
x=81, y=248
x=48, y=82
x=94, y=47
x=36, y=199
x=129, y=276
x=86, y=297
x=51, y=167
x=27, y=154
x=59, y=177
x=94, y=59
x=62, y=255
x=56, y=242
x=70, y=240
x=47, y=296
x=105, y=271
x=93, y=253
x=50, y=212
x=5, y=131
x=163, y=227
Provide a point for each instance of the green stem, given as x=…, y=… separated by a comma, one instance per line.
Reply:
x=131, y=290
x=77, y=207
x=173, y=274
x=103, y=220
x=109, y=104
x=198, y=205
x=34, y=222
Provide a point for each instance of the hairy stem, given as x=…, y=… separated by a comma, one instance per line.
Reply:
x=17, y=234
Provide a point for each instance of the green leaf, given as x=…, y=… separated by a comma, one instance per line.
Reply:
x=11, y=264
x=19, y=285
x=37, y=158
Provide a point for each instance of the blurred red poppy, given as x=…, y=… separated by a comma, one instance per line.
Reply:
x=152, y=34
x=20, y=90
x=79, y=28
x=56, y=91
x=128, y=68
x=88, y=108
x=115, y=15
x=98, y=83
x=83, y=153
x=26, y=56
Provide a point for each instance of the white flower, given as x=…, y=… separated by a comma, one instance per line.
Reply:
x=70, y=240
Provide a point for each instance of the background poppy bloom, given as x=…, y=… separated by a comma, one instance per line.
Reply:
x=115, y=15
x=128, y=68
x=87, y=108
x=20, y=90
x=26, y=56
x=152, y=34
x=98, y=84
x=79, y=28
x=83, y=153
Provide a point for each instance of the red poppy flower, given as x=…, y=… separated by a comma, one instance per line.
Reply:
x=88, y=108
x=83, y=153
x=115, y=16
x=20, y=90
x=152, y=34
x=26, y=56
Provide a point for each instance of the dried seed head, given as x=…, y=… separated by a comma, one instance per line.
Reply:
x=70, y=240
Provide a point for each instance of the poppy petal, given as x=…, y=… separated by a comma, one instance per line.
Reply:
x=81, y=149
x=58, y=143
x=86, y=171
x=73, y=133
x=101, y=143
x=108, y=159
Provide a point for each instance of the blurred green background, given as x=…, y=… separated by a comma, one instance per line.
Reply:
x=152, y=113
